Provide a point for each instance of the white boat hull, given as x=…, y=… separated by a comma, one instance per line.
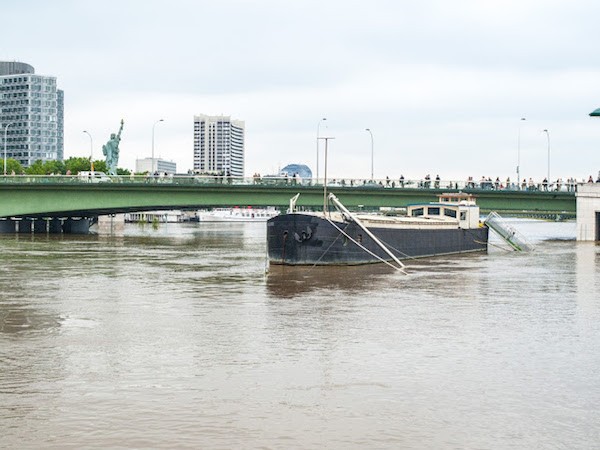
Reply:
x=237, y=215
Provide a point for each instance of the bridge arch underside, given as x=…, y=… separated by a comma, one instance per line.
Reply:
x=90, y=200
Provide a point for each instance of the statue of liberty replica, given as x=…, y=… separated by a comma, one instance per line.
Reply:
x=111, y=151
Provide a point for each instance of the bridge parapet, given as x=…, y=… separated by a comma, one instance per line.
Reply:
x=219, y=180
x=69, y=196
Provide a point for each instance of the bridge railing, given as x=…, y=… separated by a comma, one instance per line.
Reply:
x=286, y=181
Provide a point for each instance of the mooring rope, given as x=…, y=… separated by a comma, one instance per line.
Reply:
x=363, y=247
x=327, y=249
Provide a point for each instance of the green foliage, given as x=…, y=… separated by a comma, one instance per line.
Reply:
x=37, y=168
x=56, y=167
x=100, y=166
x=12, y=165
x=76, y=164
x=46, y=168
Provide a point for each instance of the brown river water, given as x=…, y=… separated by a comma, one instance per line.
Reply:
x=176, y=338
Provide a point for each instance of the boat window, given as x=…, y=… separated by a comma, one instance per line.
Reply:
x=450, y=213
x=433, y=211
x=359, y=238
x=463, y=215
x=417, y=212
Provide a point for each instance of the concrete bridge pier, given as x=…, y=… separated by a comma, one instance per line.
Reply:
x=111, y=224
x=40, y=226
x=52, y=225
x=76, y=225
x=55, y=225
x=25, y=225
x=588, y=212
x=8, y=226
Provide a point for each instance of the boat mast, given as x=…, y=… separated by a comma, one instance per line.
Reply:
x=326, y=139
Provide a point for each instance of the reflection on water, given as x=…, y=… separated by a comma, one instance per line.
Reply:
x=176, y=338
x=286, y=282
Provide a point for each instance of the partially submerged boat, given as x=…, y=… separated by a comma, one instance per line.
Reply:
x=448, y=226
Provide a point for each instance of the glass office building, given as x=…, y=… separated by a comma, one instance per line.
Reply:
x=31, y=114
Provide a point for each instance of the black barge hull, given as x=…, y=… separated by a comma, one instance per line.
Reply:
x=302, y=239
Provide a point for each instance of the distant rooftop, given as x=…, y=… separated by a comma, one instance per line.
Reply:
x=15, y=68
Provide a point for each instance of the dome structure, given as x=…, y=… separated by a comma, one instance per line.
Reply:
x=302, y=170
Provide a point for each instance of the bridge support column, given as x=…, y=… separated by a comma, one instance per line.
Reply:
x=588, y=212
x=80, y=225
x=25, y=225
x=40, y=226
x=55, y=225
x=8, y=226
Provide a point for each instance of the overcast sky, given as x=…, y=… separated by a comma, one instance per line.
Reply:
x=441, y=84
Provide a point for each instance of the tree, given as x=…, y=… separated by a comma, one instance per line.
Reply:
x=100, y=166
x=76, y=164
x=37, y=168
x=46, y=168
x=12, y=165
x=54, y=167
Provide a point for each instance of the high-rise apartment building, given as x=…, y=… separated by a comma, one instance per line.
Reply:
x=218, y=145
x=31, y=114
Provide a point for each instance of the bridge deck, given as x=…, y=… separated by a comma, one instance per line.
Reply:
x=67, y=196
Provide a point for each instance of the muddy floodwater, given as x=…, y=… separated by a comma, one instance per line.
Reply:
x=176, y=338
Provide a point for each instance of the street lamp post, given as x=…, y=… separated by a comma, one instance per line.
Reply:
x=5, y=137
x=326, y=139
x=159, y=120
x=318, y=129
x=548, y=139
x=91, y=150
x=519, y=154
x=369, y=130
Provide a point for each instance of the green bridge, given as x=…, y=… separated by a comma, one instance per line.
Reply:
x=71, y=196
